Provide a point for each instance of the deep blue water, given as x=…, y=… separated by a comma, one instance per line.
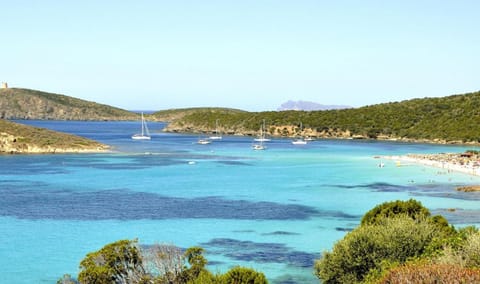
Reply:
x=273, y=210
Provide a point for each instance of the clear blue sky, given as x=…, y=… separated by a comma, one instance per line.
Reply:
x=248, y=54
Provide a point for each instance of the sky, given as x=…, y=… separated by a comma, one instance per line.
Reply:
x=250, y=54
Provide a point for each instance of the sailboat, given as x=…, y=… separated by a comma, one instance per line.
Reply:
x=262, y=138
x=145, y=135
x=300, y=141
x=216, y=136
x=203, y=141
x=259, y=146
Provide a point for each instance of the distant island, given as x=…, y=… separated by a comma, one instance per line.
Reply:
x=17, y=138
x=308, y=106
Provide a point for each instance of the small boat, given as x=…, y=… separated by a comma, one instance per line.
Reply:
x=203, y=141
x=145, y=134
x=259, y=146
x=216, y=136
x=308, y=138
x=299, y=142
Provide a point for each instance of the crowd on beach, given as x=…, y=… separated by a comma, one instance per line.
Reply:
x=467, y=162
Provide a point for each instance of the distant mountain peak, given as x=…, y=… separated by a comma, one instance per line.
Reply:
x=308, y=106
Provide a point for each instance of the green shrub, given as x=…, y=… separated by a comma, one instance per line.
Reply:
x=411, y=208
x=367, y=247
x=242, y=275
x=465, y=254
x=114, y=263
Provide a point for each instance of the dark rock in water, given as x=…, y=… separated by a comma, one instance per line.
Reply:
x=469, y=188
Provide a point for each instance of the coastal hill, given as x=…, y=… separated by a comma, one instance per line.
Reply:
x=171, y=115
x=308, y=106
x=17, y=138
x=31, y=104
x=451, y=119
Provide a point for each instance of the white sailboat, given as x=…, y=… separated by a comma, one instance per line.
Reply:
x=300, y=141
x=145, y=135
x=203, y=141
x=259, y=146
x=262, y=137
x=216, y=136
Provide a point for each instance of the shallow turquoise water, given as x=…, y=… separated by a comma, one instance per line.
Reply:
x=273, y=210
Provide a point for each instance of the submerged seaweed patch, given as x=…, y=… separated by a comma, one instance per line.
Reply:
x=260, y=252
x=459, y=216
x=377, y=186
x=280, y=233
x=122, y=204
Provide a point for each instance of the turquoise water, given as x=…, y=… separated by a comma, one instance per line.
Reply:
x=273, y=210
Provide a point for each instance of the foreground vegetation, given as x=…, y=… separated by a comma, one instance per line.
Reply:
x=126, y=261
x=396, y=242
x=400, y=242
x=447, y=119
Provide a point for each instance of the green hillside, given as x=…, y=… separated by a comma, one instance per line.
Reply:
x=452, y=119
x=19, y=138
x=176, y=114
x=31, y=104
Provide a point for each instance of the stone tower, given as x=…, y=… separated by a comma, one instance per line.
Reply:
x=4, y=85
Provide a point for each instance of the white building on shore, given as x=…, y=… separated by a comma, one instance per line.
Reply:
x=4, y=85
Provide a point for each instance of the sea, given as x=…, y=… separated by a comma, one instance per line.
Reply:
x=274, y=210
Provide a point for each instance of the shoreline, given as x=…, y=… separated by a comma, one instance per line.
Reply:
x=452, y=162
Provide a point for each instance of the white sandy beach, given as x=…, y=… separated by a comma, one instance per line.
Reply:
x=449, y=162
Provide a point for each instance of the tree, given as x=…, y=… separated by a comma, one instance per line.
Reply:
x=124, y=262
x=164, y=260
x=197, y=262
x=118, y=262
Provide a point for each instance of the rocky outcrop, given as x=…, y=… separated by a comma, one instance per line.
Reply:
x=21, y=139
x=470, y=188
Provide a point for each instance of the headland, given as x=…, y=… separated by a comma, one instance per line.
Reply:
x=17, y=138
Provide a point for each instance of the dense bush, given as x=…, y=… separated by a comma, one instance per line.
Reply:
x=368, y=246
x=412, y=208
x=239, y=275
x=126, y=262
x=118, y=262
x=431, y=274
x=465, y=252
